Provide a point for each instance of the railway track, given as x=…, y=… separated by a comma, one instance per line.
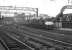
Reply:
x=57, y=36
x=3, y=46
x=14, y=44
x=34, y=38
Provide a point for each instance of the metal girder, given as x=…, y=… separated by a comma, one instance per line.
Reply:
x=19, y=8
x=66, y=7
x=12, y=10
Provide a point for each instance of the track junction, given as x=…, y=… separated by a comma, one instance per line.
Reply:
x=35, y=39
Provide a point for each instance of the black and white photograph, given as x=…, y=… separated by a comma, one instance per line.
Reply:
x=35, y=24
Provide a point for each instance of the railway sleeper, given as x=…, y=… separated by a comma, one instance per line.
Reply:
x=41, y=46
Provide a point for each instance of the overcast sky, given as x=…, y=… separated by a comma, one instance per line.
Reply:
x=50, y=7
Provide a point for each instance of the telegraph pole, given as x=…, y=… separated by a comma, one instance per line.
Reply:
x=51, y=0
x=68, y=1
x=37, y=11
